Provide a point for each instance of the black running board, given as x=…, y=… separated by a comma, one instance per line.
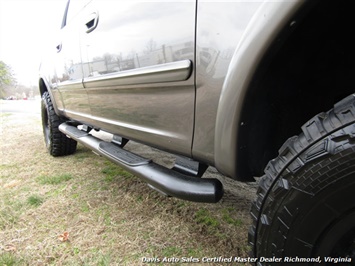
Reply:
x=165, y=180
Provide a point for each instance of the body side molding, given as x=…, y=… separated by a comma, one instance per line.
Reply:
x=169, y=72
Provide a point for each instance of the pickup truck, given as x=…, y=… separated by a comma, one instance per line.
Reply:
x=242, y=86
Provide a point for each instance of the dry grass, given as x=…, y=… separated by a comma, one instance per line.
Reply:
x=111, y=216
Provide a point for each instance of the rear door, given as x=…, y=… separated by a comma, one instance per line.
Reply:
x=138, y=59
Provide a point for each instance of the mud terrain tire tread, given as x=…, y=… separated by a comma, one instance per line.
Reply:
x=57, y=143
x=297, y=153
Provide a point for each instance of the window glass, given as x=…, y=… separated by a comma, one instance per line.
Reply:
x=73, y=8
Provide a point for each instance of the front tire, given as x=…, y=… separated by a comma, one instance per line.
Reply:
x=57, y=143
x=305, y=204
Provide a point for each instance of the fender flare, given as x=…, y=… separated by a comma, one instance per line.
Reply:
x=261, y=32
x=44, y=86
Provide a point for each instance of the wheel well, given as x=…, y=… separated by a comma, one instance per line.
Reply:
x=42, y=87
x=310, y=71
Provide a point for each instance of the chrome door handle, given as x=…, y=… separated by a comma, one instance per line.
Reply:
x=92, y=22
x=59, y=47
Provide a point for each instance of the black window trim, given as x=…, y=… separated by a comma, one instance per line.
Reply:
x=64, y=21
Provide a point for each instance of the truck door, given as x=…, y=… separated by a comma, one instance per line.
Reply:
x=138, y=59
x=68, y=66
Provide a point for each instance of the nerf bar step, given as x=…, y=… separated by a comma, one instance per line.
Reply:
x=166, y=180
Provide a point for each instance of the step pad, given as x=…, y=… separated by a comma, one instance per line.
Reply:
x=75, y=132
x=122, y=155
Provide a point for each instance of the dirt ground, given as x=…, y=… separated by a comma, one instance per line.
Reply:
x=110, y=217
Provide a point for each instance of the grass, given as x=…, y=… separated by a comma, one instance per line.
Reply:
x=227, y=217
x=35, y=200
x=8, y=259
x=111, y=216
x=4, y=115
x=53, y=180
x=113, y=172
x=204, y=217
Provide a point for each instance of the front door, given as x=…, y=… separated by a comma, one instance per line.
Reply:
x=68, y=67
x=138, y=59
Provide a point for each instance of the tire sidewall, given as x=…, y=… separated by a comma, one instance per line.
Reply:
x=312, y=202
x=57, y=143
x=316, y=216
x=46, y=123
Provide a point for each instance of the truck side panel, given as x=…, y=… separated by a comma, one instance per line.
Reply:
x=258, y=26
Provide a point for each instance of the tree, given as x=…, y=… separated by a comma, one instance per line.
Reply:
x=6, y=78
x=150, y=46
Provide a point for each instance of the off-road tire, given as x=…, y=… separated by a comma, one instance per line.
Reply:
x=305, y=205
x=57, y=143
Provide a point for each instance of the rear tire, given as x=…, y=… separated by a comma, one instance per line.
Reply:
x=305, y=204
x=57, y=143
